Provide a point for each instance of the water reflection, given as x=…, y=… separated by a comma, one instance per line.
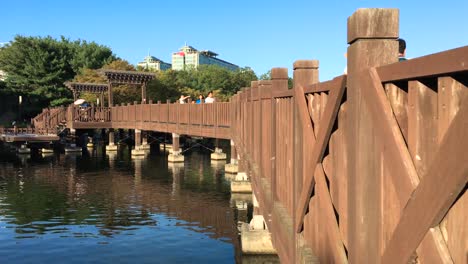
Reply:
x=97, y=198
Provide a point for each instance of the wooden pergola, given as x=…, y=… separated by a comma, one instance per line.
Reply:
x=128, y=77
x=94, y=88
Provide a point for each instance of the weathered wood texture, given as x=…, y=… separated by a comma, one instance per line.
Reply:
x=365, y=168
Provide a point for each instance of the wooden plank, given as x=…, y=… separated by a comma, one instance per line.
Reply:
x=333, y=236
x=423, y=144
x=398, y=155
x=450, y=61
x=422, y=132
x=436, y=192
x=454, y=225
x=399, y=101
x=456, y=229
x=283, y=93
x=404, y=175
x=324, y=86
x=318, y=150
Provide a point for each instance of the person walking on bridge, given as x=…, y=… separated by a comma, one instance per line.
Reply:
x=200, y=99
x=401, y=50
x=182, y=98
x=210, y=99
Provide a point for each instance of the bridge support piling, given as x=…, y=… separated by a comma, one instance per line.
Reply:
x=72, y=146
x=241, y=183
x=176, y=155
x=218, y=152
x=232, y=167
x=255, y=237
x=111, y=146
x=24, y=149
x=138, y=151
x=144, y=141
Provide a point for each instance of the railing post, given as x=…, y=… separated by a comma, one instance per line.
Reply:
x=305, y=73
x=158, y=112
x=372, y=35
x=168, y=104
x=150, y=107
x=135, y=107
x=279, y=78
x=129, y=118
x=250, y=117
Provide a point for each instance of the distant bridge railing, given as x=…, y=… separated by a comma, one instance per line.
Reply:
x=210, y=120
x=27, y=130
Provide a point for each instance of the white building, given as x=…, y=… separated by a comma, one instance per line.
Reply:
x=188, y=56
x=150, y=62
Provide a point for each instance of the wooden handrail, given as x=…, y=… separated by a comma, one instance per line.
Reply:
x=446, y=62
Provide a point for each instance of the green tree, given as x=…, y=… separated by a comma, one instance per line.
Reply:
x=90, y=55
x=37, y=67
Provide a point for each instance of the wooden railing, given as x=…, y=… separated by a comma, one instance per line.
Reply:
x=50, y=117
x=211, y=120
x=365, y=168
x=90, y=114
x=29, y=130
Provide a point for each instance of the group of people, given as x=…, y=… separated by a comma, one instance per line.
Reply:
x=201, y=99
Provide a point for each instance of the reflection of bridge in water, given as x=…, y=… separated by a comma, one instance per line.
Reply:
x=195, y=203
x=366, y=168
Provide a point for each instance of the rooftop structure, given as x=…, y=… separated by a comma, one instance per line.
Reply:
x=151, y=62
x=188, y=56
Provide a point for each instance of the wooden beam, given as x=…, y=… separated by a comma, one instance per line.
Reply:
x=435, y=194
x=401, y=166
x=327, y=122
x=323, y=86
x=326, y=206
x=451, y=61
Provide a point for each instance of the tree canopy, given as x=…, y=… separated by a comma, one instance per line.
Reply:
x=38, y=66
x=224, y=83
x=170, y=84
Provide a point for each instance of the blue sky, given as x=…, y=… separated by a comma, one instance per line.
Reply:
x=260, y=34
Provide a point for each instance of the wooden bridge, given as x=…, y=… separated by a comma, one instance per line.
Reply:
x=365, y=168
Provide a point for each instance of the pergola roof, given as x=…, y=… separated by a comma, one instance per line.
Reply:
x=128, y=77
x=87, y=87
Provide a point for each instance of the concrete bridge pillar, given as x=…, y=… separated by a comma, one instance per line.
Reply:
x=242, y=202
x=111, y=146
x=232, y=167
x=144, y=141
x=138, y=151
x=255, y=237
x=137, y=138
x=176, y=155
x=72, y=147
x=218, y=152
x=241, y=183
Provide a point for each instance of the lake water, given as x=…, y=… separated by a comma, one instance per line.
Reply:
x=96, y=208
